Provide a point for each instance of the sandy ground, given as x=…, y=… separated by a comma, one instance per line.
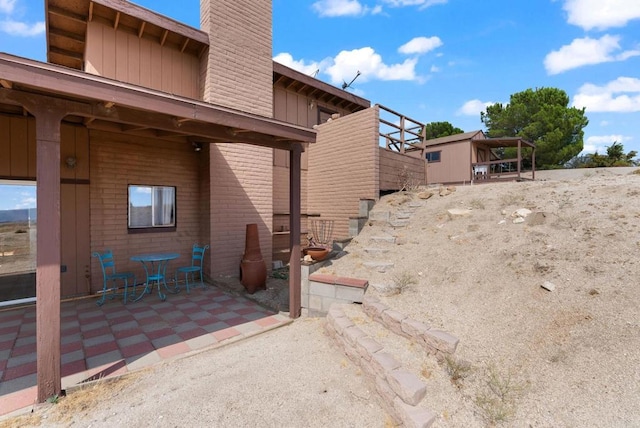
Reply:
x=527, y=357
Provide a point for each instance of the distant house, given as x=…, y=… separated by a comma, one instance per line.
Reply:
x=473, y=157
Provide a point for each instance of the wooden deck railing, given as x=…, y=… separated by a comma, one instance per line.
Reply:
x=400, y=133
x=501, y=169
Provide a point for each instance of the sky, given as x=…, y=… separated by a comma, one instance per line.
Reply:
x=439, y=60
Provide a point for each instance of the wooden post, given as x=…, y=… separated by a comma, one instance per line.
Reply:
x=519, y=156
x=533, y=164
x=295, y=276
x=49, y=254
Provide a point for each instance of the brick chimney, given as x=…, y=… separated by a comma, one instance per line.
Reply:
x=239, y=70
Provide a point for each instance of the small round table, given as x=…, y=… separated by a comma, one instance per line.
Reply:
x=155, y=267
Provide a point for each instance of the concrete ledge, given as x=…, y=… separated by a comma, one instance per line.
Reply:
x=320, y=291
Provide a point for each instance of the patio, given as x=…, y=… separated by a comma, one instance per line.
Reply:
x=116, y=338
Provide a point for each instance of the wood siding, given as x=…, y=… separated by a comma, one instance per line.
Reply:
x=392, y=166
x=140, y=61
x=18, y=162
x=454, y=165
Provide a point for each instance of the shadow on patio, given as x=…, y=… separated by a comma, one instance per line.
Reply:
x=116, y=338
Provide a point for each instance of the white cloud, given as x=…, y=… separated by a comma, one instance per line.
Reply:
x=599, y=143
x=16, y=28
x=347, y=63
x=604, y=123
x=422, y=4
x=601, y=14
x=333, y=8
x=6, y=6
x=310, y=68
x=586, y=51
x=473, y=107
x=420, y=45
x=621, y=95
x=435, y=69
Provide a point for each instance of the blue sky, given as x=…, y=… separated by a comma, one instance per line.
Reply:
x=440, y=60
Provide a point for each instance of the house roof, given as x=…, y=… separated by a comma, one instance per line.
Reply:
x=113, y=105
x=67, y=28
x=479, y=136
x=314, y=88
x=453, y=138
x=67, y=31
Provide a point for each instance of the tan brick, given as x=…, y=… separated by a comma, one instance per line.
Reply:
x=408, y=386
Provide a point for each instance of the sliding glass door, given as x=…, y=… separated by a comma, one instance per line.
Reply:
x=18, y=225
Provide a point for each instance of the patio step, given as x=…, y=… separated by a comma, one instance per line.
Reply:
x=395, y=352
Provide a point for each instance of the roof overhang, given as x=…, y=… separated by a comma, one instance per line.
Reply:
x=495, y=143
x=121, y=107
x=67, y=21
x=313, y=88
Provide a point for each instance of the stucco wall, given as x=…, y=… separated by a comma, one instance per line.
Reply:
x=344, y=168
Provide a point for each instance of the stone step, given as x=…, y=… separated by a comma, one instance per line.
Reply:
x=379, y=266
x=398, y=223
x=386, y=238
x=376, y=251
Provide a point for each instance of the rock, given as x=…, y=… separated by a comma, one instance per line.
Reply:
x=425, y=195
x=458, y=212
x=451, y=188
x=503, y=221
x=522, y=212
x=518, y=220
x=445, y=192
x=550, y=286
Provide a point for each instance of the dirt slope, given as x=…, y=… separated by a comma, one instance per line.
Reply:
x=567, y=357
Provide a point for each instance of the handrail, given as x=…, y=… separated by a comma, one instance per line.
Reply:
x=401, y=135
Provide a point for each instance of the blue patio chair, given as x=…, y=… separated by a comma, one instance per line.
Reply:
x=111, y=277
x=197, y=259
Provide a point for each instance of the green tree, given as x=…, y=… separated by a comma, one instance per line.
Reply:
x=615, y=157
x=542, y=116
x=440, y=129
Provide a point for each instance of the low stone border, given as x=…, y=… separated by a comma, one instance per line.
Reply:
x=435, y=342
x=401, y=390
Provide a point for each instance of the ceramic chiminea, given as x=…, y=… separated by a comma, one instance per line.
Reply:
x=253, y=269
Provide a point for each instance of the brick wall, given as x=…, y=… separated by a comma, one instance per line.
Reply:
x=240, y=68
x=118, y=160
x=241, y=183
x=344, y=168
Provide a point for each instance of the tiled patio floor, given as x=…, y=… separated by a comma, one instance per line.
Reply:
x=116, y=338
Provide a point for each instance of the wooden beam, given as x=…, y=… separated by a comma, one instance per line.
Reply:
x=67, y=14
x=164, y=37
x=295, y=198
x=116, y=21
x=66, y=53
x=53, y=31
x=141, y=30
x=184, y=45
x=90, y=11
x=6, y=84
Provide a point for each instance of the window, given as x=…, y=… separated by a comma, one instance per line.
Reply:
x=433, y=156
x=152, y=207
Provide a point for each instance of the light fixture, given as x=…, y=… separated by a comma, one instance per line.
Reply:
x=196, y=146
x=312, y=104
x=71, y=162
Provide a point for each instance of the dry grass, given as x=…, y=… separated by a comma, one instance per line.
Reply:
x=78, y=403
